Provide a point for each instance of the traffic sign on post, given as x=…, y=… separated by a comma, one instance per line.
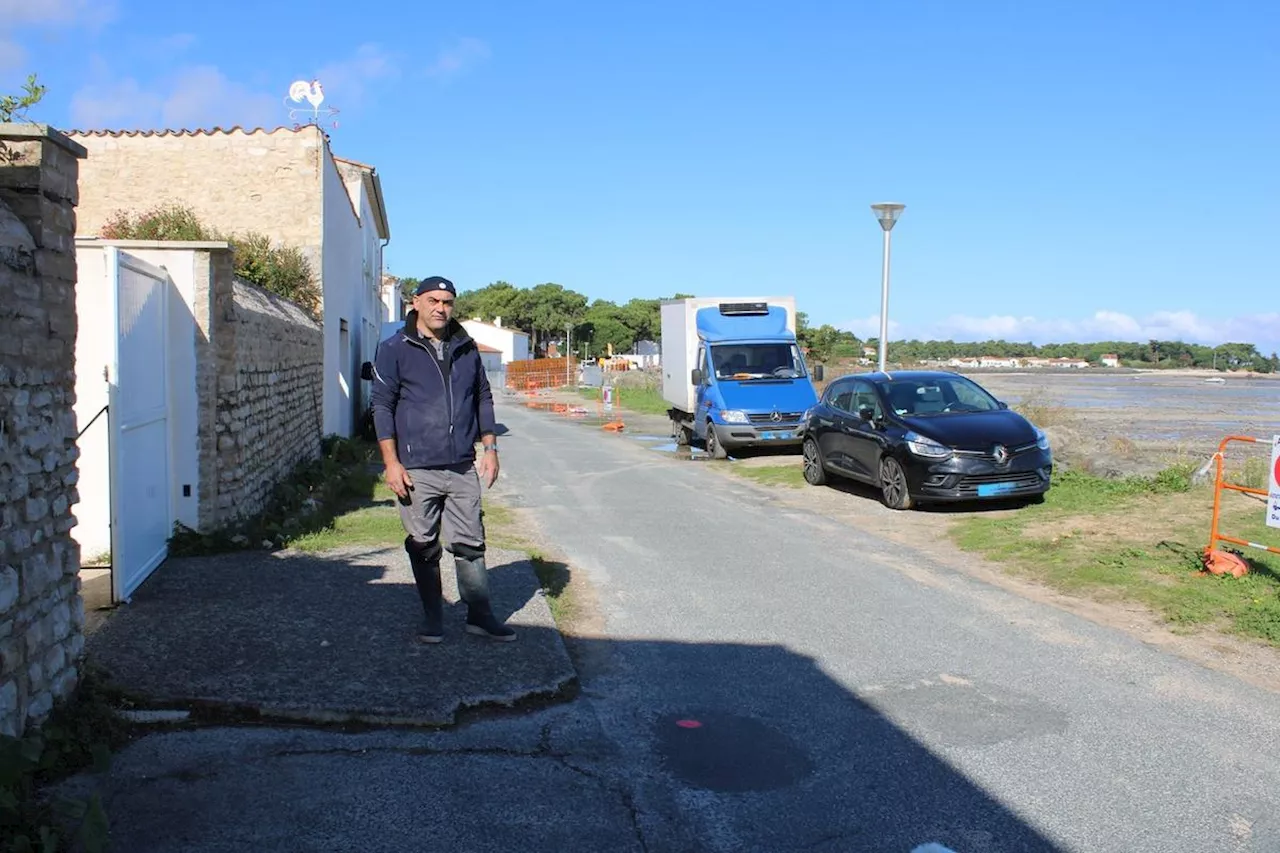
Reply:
x=1273, y=499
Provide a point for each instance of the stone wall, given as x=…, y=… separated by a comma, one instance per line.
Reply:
x=269, y=417
x=41, y=612
x=234, y=180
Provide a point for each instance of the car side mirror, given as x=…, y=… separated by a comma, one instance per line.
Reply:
x=867, y=413
x=817, y=373
x=366, y=371
x=695, y=376
x=1002, y=404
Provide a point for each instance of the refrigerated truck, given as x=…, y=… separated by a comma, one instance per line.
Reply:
x=733, y=373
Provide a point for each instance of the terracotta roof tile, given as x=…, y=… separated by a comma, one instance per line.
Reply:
x=200, y=131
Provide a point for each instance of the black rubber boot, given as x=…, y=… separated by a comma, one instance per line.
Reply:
x=425, y=562
x=473, y=588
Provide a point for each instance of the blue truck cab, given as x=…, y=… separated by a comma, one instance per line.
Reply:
x=734, y=373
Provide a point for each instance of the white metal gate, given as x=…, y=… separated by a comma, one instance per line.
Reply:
x=138, y=415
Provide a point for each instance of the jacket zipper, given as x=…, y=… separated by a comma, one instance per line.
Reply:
x=448, y=390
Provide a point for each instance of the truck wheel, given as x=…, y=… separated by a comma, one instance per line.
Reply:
x=714, y=448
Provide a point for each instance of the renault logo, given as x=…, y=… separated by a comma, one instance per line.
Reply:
x=1001, y=454
x=776, y=417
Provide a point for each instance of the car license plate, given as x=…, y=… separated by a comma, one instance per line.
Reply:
x=772, y=436
x=986, y=490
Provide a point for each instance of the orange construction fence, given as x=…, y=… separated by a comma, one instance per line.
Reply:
x=539, y=373
x=1216, y=560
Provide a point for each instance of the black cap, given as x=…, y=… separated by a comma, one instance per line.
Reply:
x=435, y=282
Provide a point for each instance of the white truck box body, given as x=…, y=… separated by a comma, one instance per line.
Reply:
x=680, y=341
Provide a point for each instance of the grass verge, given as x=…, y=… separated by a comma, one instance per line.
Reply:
x=1138, y=539
x=642, y=401
x=504, y=530
x=790, y=475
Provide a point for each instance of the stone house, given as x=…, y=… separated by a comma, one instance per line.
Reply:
x=285, y=183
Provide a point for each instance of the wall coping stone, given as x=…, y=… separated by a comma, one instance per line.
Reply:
x=87, y=242
x=25, y=132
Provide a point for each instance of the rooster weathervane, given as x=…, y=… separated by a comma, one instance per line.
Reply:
x=313, y=94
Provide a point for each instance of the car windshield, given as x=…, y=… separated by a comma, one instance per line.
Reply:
x=756, y=361
x=947, y=395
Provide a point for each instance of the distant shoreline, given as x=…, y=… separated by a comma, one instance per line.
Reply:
x=1199, y=373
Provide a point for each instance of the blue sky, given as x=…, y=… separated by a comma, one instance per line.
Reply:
x=1075, y=170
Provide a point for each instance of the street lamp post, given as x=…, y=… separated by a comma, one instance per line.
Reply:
x=887, y=213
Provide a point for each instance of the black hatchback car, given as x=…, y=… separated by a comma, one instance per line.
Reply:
x=924, y=436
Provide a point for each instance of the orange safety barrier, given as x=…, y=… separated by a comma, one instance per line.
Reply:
x=1217, y=561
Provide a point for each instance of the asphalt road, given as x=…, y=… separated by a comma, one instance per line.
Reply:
x=900, y=703
x=767, y=681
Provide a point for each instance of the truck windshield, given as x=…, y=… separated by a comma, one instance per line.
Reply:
x=757, y=361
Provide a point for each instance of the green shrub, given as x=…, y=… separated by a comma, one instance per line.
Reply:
x=282, y=270
x=165, y=222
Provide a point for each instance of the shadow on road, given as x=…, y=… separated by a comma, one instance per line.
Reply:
x=754, y=744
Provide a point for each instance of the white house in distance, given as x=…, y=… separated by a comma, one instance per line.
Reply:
x=490, y=357
x=513, y=344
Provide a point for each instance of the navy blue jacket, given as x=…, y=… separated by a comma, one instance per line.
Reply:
x=435, y=423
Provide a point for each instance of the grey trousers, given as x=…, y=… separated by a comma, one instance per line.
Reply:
x=451, y=495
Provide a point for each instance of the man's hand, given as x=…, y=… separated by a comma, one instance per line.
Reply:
x=488, y=468
x=398, y=480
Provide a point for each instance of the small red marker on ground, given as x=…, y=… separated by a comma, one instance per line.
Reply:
x=689, y=724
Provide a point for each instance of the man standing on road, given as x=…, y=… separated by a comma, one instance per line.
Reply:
x=431, y=403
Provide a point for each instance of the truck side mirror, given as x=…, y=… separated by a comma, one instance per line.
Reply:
x=366, y=371
x=696, y=376
x=817, y=373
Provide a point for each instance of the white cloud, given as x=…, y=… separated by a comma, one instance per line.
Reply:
x=197, y=96
x=453, y=60
x=347, y=81
x=204, y=96
x=48, y=15
x=869, y=327
x=57, y=13
x=1260, y=329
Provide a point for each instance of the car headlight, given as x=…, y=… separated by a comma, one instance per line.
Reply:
x=926, y=447
x=733, y=416
x=1042, y=440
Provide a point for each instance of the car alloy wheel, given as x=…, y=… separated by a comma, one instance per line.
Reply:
x=814, y=473
x=893, y=484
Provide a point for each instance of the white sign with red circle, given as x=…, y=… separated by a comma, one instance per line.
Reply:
x=1273, y=500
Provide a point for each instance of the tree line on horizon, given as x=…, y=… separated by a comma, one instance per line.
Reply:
x=548, y=311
